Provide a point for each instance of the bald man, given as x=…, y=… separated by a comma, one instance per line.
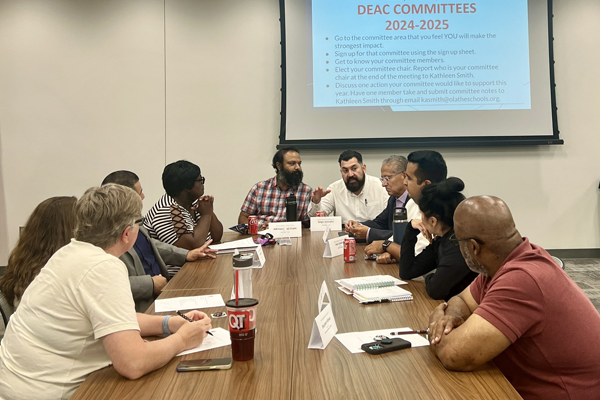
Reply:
x=523, y=312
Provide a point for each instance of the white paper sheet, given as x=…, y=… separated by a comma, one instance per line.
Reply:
x=353, y=340
x=230, y=247
x=188, y=303
x=221, y=338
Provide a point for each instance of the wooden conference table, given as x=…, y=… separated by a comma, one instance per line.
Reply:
x=283, y=368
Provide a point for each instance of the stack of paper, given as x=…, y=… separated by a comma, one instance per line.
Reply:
x=188, y=303
x=230, y=247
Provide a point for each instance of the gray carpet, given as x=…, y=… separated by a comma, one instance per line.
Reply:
x=586, y=273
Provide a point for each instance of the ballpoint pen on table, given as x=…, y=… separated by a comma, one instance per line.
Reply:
x=420, y=332
x=376, y=301
x=182, y=315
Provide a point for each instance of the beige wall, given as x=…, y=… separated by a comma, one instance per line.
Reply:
x=90, y=87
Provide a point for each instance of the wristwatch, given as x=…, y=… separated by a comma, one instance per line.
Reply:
x=386, y=244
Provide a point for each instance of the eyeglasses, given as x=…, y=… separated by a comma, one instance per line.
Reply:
x=140, y=221
x=386, y=179
x=202, y=179
x=454, y=240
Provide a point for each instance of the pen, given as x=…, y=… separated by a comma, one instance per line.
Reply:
x=376, y=301
x=420, y=332
x=182, y=315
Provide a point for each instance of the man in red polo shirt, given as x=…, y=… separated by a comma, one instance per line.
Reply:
x=523, y=312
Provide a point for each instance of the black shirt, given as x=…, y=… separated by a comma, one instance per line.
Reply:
x=451, y=274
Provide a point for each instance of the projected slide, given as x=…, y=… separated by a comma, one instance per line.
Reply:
x=421, y=55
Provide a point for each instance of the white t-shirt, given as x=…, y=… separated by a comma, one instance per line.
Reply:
x=54, y=339
x=413, y=212
x=371, y=201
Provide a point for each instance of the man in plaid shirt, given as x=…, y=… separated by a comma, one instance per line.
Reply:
x=266, y=199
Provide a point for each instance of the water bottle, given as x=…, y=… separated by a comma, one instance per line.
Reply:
x=400, y=222
x=290, y=208
x=242, y=275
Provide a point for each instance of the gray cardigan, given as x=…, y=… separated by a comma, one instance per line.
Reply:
x=142, y=286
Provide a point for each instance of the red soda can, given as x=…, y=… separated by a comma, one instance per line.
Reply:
x=320, y=213
x=349, y=250
x=253, y=224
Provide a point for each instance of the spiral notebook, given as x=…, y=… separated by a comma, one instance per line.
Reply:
x=369, y=282
x=381, y=295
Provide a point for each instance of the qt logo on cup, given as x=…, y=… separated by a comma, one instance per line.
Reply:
x=241, y=321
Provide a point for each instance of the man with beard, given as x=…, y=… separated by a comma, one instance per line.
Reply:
x=357, y=196
x=266, y=199
x=522, y=312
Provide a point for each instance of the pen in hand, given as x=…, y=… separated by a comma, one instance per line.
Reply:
x=182, y=315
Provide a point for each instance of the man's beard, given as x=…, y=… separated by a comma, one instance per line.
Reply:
x=355, y=185
x=474, y=265
x=291, y=179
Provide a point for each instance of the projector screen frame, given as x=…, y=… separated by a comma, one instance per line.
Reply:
x=415, y=142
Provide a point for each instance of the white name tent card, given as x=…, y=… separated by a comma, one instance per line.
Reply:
x=353, y=340
x=324, y=326
x=188, y=303
x=319, y=224
x=286, y=229
x=326, y=234
x=334, y=247
x=259, y=258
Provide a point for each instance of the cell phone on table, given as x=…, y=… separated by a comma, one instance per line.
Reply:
x=205, y=364
x=385, y=346
x=372, y=257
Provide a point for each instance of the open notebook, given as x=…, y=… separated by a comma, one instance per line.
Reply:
x=384, y=294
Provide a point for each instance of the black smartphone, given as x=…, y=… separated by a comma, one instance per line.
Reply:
x=205, y=364
x=372, y=257
x=385, y=346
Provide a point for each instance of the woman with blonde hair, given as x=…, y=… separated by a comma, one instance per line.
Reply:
x=50, y=227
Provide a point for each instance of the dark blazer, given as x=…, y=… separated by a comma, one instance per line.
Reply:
x=382, y=226
x=142, y=286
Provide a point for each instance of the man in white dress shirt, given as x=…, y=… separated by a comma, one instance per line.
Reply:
x=357, y=196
